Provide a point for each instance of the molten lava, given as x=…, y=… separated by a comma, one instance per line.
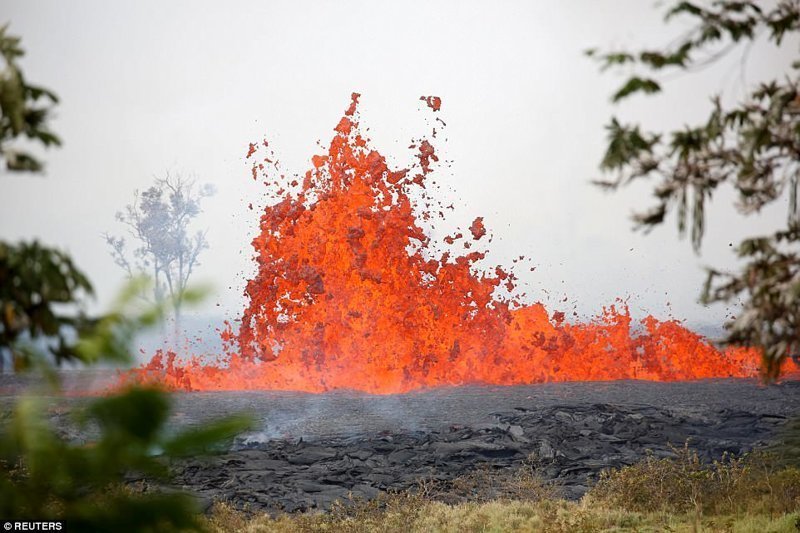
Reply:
x=350, y=293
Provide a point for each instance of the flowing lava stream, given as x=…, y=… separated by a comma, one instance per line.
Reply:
x=350, y=293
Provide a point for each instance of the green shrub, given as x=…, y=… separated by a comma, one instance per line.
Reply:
x=44, y=476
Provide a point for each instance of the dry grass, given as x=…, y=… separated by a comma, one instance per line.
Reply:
x=739, y=495
x=685, y=484
x=556, y=516
x=487, y=484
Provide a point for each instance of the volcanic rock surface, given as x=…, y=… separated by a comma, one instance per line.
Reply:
x=312, y=449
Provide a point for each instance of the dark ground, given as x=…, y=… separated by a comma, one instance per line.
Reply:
x=310, y=449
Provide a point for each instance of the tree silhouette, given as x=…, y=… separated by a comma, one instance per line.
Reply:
x=159, y=220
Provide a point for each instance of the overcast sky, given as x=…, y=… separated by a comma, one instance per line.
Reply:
x=149, y=87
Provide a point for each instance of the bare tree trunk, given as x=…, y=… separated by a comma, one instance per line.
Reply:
x=174, y=300
x=178, y=301
x=157, y=296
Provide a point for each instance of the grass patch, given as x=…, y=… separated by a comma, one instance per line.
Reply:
x=487, y=484
x=755, y=483
x=747, y=494
x=398, y=514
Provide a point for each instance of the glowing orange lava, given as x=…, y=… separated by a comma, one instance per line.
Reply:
x=350, y=293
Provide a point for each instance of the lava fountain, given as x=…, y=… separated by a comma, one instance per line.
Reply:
x=350, y=293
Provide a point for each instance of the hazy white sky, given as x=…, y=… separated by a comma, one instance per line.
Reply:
x=149, y=87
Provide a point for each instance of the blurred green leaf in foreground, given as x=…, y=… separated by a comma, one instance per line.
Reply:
x=42, y=295
x=43, y=476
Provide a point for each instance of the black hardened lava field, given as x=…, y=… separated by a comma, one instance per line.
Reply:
x=309, y=450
